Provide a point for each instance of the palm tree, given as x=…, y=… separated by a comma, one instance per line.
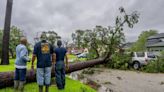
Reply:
x=6, y=35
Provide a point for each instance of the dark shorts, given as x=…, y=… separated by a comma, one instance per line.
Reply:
x=20, y=74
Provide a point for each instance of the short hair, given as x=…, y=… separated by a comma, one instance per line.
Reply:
x=43, y=36
x=23, y=40
x=59, y=43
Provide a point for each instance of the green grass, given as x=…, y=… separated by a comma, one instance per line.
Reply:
x=71, y=86
x=72, y=57
x=6, y=68
x=11, y=67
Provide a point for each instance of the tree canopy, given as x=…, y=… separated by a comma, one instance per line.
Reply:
x=105, y=40
x=52, y=36
x=15, y=36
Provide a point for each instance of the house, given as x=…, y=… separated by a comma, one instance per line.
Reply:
x=128, y=45
x=155, y=43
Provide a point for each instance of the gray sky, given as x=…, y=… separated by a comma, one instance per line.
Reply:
x=65, y=16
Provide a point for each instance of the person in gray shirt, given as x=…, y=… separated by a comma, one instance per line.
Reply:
x=21, y=65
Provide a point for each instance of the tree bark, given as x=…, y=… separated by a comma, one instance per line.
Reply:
x=6, y=35
x=7, y=78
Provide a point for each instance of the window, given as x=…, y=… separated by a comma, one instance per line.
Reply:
x=140, y=54
x=156, y=50
x=150, y=55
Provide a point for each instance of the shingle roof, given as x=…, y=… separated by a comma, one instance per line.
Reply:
x=159, y=44
x=161, y=35
x=128, y=45
x=152, y=41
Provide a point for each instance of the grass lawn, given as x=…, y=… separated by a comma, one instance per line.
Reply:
x=11, y=67
x=71, y=85
x=5, y=68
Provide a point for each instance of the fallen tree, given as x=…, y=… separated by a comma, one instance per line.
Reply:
x=7, y=78
x=103, y=40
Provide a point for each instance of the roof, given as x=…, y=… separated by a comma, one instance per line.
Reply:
x=161, y=35
x=128, y=45
x=152, y=41
x=159, y=44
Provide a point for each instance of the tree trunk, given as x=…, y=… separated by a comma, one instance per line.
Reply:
x=6, y=78
x=6, y=35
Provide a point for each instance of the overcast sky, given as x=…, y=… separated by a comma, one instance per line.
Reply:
x=66, y=16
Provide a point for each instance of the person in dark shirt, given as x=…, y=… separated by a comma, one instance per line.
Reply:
x=44, y=53
x=60, y=54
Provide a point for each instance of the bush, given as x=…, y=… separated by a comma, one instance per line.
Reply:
x=119, y=61
x=150, y=68
x=156, y=65
x=91, y=55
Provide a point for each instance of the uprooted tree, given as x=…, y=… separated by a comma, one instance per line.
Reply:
x=103, y=41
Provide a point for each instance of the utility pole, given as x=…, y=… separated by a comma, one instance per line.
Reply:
x=6, y=34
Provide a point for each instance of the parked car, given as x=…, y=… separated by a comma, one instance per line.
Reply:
x=140, y=59
x=82, y=55
x=75, y=52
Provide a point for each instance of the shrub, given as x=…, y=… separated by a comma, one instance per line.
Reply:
x=91, y=55
x=119, y=61
x=155, y=66
x=150, y=68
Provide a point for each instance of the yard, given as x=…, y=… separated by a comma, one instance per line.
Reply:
x=71, y=85
x=5, y=68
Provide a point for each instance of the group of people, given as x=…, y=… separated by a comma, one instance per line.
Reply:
x=48, y=57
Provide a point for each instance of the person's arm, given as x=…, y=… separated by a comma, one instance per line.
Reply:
x=67, y=64
x=53, y=54
x=33, y=60
x=53, y=61
x=34, y=57
x=53, y=58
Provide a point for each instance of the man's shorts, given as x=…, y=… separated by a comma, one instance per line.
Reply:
x=44, y=76
x=20, y=74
